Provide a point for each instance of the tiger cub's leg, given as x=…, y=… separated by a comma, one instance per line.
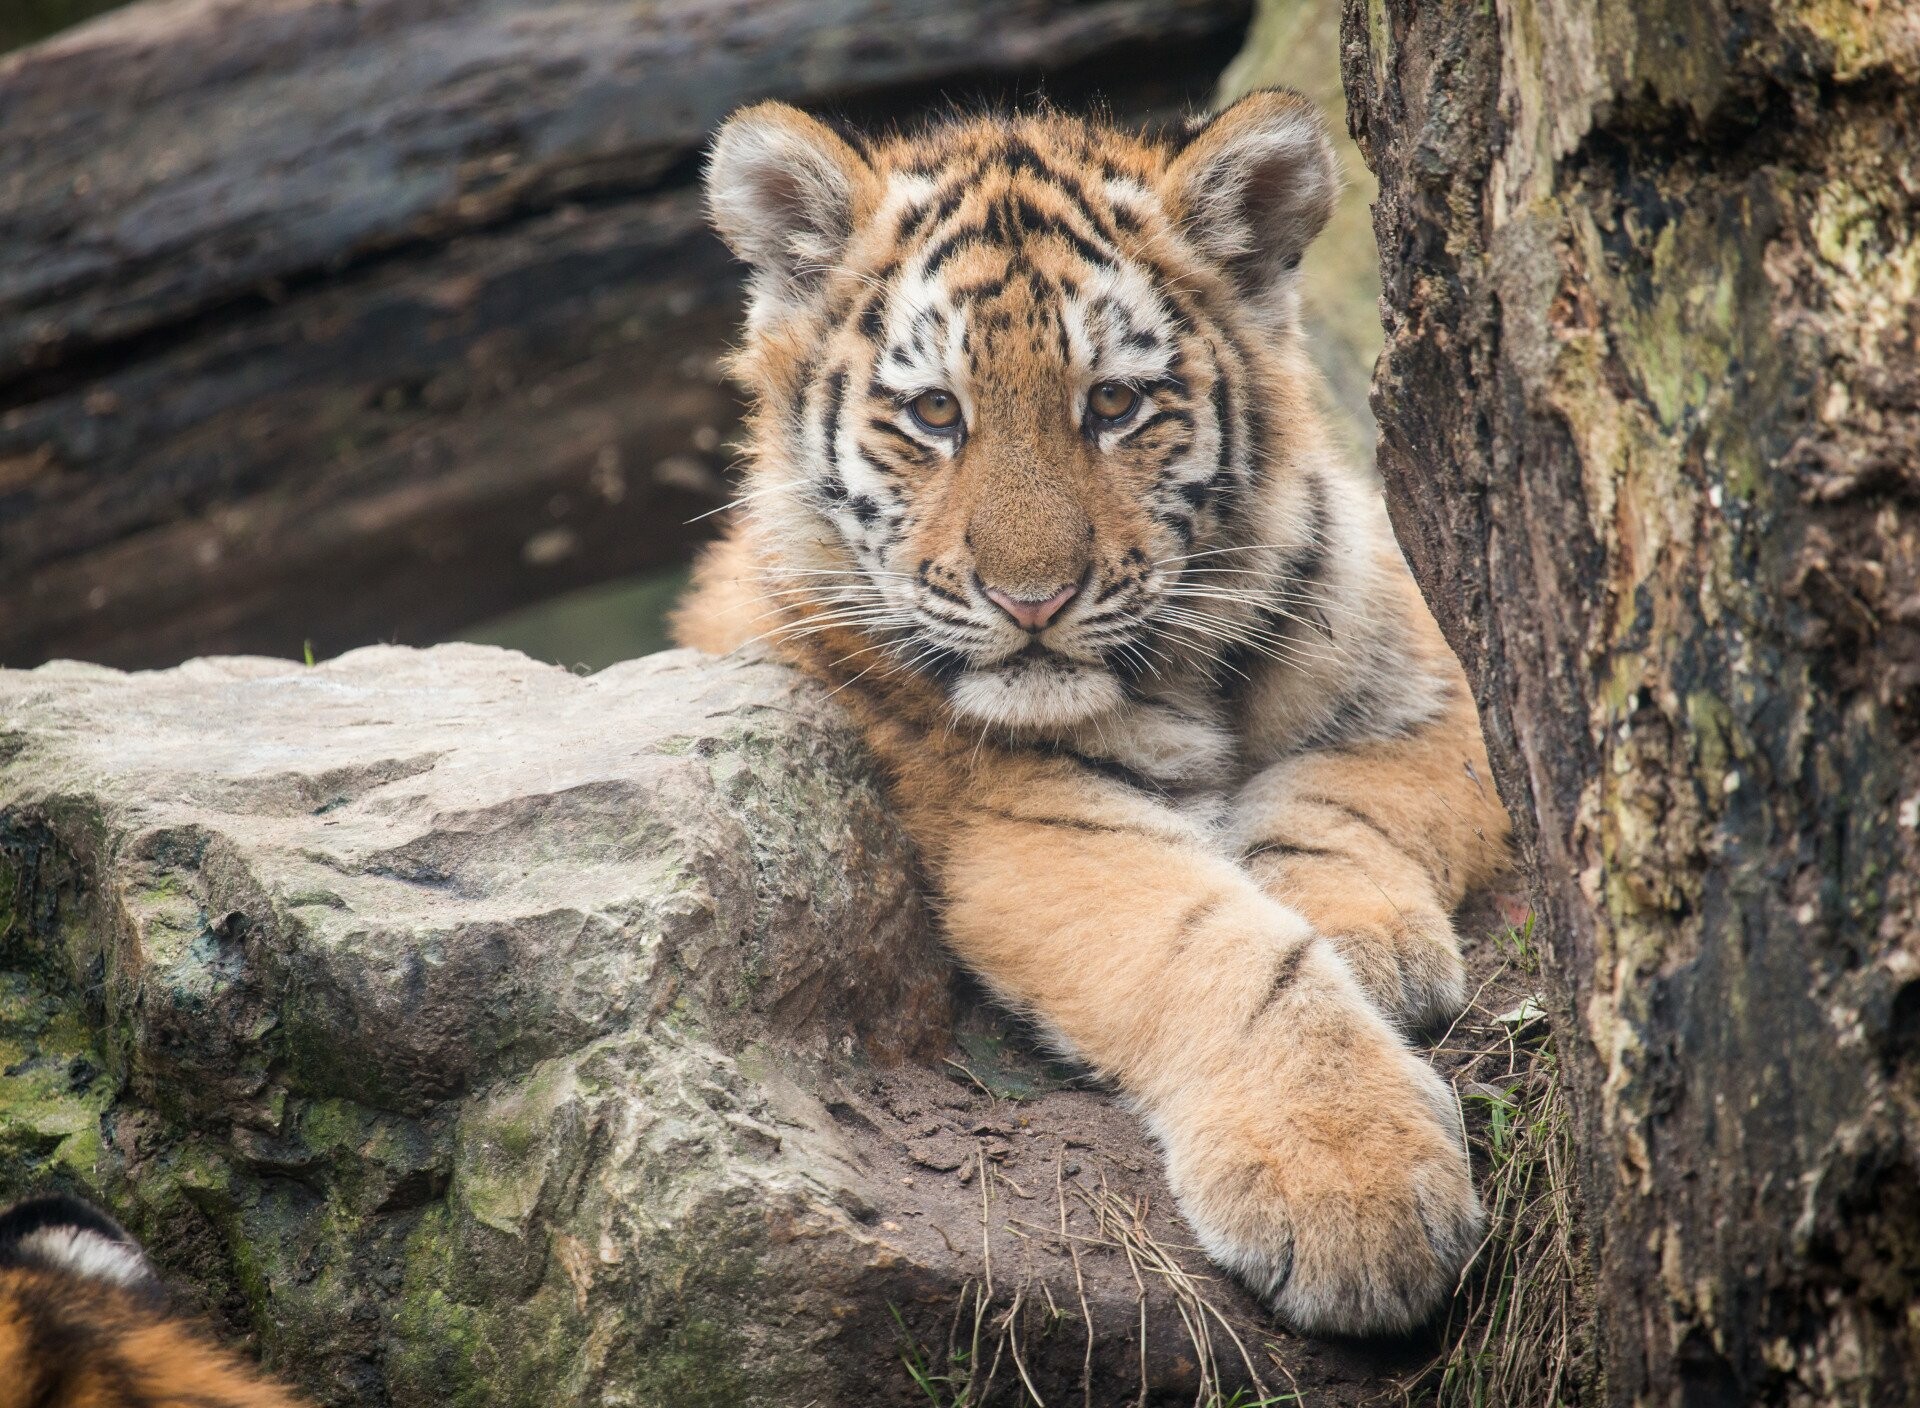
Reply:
x=1376, y=844
x=1310, y=1149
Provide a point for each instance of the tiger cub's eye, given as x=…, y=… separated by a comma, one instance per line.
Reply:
x=1112, y=400
x=936, y=410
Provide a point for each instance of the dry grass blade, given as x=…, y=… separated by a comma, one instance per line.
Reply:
x=1125, y=1225
x=1079, y=1280
x=1515, y=1332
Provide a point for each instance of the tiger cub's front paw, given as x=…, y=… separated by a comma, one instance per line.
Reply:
x=1334, y=1179
x=1409, y=963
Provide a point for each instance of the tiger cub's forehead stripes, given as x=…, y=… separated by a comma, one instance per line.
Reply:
x=983, y=188
x=1017, y=247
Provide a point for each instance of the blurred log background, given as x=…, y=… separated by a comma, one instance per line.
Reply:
x=344, y=322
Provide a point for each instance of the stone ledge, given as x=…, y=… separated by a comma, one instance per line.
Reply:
x=459, y=1030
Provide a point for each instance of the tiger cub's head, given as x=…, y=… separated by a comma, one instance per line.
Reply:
x=1017, y=378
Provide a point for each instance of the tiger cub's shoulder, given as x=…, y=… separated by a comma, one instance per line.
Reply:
x=84, y=1322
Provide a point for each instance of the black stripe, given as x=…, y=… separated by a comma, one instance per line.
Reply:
x=1172, y=414
x=992, y=286
x=887, y=427
x=1179, y=525
x=1284, y=974
x=1086, y=249
x=848, y=133
x=962, y=623
x=1068, y=823
x=1305, y=566
x=1128, y=666
x=1354, y=814
x=1018, y=156
x=1068, y=186
x=1256, y=422
x=1223, y=414
x=1105, y=767
x=1286, y=849
x=1196, y=916
x=914, y=222
x=947, y=248
x=942, y=665
x=836, y=391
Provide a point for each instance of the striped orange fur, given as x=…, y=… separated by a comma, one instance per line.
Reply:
x=84, y=1323
x=1039, y=485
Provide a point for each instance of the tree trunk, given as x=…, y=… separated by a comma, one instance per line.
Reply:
x=1650, y=430
x=368, y=321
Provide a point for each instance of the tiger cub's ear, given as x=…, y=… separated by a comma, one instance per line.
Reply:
x=62, y=1234
x=1254, y=186
x=784, y=190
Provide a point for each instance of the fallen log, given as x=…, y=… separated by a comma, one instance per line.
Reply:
x=348, y=322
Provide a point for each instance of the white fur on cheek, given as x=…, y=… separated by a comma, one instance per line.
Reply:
x=87, y=1254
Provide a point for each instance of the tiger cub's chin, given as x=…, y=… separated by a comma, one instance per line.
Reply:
x=1027, y=693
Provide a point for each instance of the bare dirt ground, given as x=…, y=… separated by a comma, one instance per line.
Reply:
x=1082, y=1283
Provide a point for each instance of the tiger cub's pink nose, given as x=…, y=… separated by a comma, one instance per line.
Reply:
x=1032, y=615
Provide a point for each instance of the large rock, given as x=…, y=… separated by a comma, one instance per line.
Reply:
x=460, y=1029
x=450, y=1012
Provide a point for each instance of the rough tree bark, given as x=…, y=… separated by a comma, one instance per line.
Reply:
x=1650, y=429
x=363, y=321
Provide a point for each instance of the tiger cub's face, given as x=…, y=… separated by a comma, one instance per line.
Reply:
x=1015, y=380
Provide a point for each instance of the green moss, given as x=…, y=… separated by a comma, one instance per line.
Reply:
x=53, y=1087
x=1855, y=35
x=1712, y=726
x=507, y=1144
x=698, y=1364
x=373, y=1158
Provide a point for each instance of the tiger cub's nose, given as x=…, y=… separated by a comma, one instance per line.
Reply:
x=1031, y=615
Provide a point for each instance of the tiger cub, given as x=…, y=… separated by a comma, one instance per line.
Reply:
x=1039, y=485
x=84, y=1323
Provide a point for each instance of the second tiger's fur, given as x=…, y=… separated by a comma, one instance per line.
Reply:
x=1039, y=485
x=84, y=1323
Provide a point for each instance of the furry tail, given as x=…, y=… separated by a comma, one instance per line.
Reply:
x=66, y=1236
x=84, y=1322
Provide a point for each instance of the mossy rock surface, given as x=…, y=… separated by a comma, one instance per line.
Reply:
x=397, y=1002
x=455, y=1030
